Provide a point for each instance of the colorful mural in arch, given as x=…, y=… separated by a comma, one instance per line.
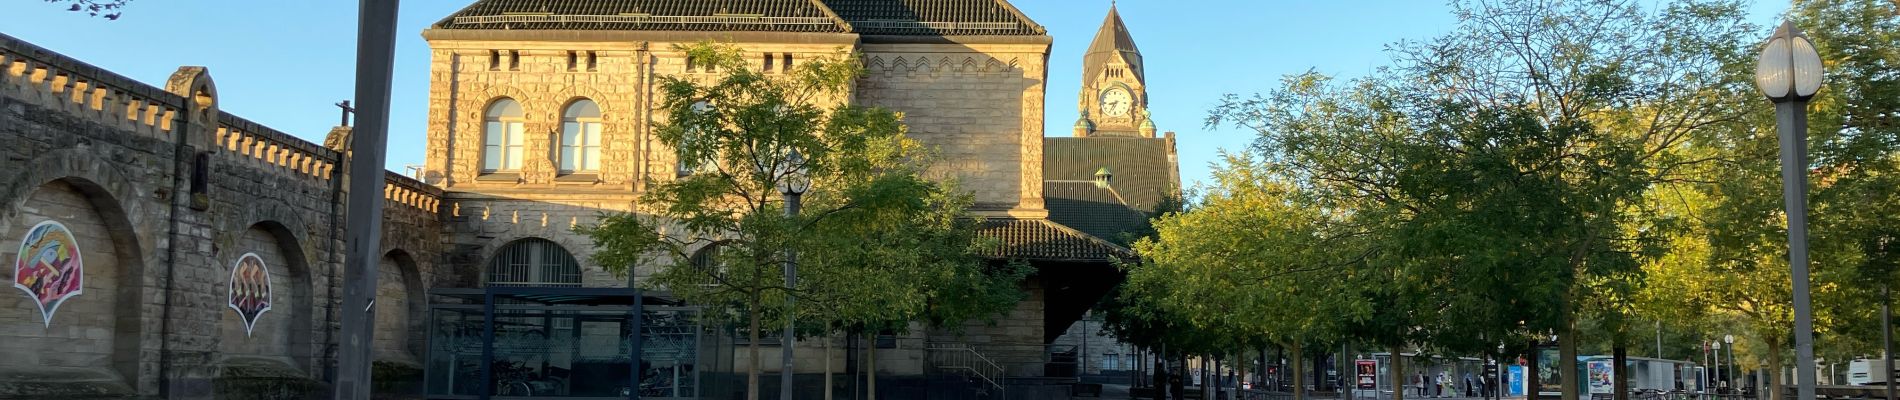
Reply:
x=48, y=267
x=250, y=289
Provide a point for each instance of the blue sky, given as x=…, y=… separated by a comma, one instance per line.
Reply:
x=283, y=63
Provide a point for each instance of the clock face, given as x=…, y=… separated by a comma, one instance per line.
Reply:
x=1116, y=102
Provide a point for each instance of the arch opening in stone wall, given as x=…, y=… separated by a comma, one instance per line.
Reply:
x=400, y=309
x=65, y=326
x=707, y=263
x=265, y=326
x=504, y=136
x=532, y=262
x=578, y=150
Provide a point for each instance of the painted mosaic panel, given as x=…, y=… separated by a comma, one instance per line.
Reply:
x=250, y=289
x=49, y=268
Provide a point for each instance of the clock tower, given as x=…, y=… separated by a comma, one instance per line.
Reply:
x=1114, y=98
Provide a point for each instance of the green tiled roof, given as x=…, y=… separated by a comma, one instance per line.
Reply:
x=871, y=17
x=1140, y=176
x=1043, y=240
x=1143, y=174
x=935, y=17
x=1090, y=208
x=653, y=15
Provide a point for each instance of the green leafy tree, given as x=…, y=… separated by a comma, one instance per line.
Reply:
x=1232, y=267
x=878, y=244
x=1497, y=174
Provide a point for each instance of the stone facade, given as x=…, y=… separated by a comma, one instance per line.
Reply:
x=979, y=104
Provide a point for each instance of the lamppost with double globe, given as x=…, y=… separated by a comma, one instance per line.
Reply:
x=1789, y=73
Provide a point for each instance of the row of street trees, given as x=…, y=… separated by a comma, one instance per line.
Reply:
x=1582, y=169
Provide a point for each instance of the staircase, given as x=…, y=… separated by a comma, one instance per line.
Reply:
x=964, y=361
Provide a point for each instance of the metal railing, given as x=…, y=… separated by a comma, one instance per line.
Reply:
x=1252, y=394
x=965, y=359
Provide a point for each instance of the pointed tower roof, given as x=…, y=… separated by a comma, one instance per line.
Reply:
x=1112, y=39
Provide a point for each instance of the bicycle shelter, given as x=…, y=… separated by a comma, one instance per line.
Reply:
x=506, y=343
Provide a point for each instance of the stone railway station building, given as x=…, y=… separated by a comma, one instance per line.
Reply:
x=162, y=248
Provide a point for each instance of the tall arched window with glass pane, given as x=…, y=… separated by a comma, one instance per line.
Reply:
x=580, y=137
x=502, y=136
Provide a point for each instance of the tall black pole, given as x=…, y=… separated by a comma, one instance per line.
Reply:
x=1792, y=120
x=375, y=59
x=791, y=281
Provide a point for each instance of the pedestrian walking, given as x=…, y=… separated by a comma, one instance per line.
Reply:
x=1421, y=385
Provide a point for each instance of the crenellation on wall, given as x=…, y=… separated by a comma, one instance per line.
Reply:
x=52, y=80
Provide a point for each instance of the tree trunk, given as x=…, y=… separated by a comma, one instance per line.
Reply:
x=1319, y=370
x=1206, y=379
x=1238, y=373
x=828, y=381
x=1134, y=377
x=870, y=370
x=1398, y=373
x=1177, y=382
x=853, y=362
x=1567, y=357
x=1533, y=379
x=1299, y=371
x=1774, y=368
x=1619, y=354
x=752, y=365
x=1347, y=382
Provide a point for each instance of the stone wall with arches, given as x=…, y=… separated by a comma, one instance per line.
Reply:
x=163, y=248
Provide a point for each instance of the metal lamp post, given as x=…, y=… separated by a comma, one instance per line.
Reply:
x=1720, y=377
x=793, y=181
x=1789, y=73
x=1728, y=376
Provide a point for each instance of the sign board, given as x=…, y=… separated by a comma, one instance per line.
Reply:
x=1547, y=379
x=1368, y=374
x=1518, y=381
x=1602, y=377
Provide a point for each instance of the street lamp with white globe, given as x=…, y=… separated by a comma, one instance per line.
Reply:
x=1789, y=73
x=1728, y=376
x=793, y=180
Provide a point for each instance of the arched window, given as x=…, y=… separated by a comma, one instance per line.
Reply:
x=707, y=264
x=502, y=136
x=580, y=137
x=534, y=262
